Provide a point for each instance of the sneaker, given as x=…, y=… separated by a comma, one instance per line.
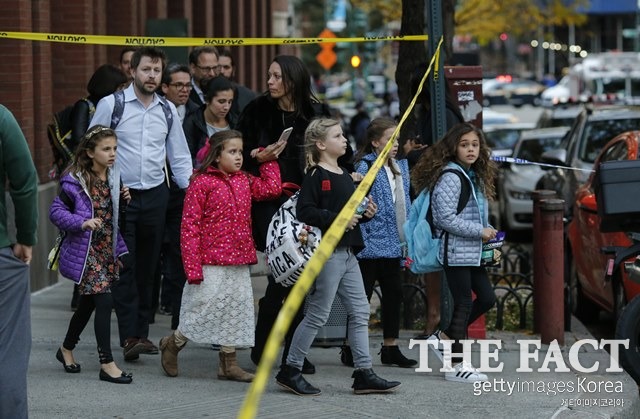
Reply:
x=148, y=347
x=438, y=350
x=464, y=372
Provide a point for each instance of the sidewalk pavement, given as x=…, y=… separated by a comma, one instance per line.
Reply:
x=197, y=392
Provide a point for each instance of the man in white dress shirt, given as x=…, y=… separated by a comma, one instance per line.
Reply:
x=149, y=133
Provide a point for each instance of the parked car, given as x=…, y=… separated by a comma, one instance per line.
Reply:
x=593, y=128
x=590, y=289
x=524, y=92
x=556, y=95
x=505, y=90
x=502, y=137
x=516, y=182
x=559, y=116
x=494, y=91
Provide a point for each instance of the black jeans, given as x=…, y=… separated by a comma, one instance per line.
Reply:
x=102, y=303
x=387, y=272
x=462, y=280
x=268, y=308
x=170, y=277
x=173, y=277
x=142, y=229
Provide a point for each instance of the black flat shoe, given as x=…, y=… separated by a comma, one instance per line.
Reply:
x=71, y=368
x=125, y=378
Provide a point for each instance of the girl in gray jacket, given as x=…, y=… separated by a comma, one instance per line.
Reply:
x=464, y=149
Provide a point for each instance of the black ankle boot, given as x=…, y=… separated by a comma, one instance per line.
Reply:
x=390, y=355
x=366, y=381
x=308, y=367
x=291, y=378
x=346, y=356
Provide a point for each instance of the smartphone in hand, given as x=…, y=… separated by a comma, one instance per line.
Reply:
x=285, y=134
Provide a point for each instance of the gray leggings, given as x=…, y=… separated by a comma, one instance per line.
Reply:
x=340, y=275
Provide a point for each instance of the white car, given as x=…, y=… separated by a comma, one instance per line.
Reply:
x=556, y=95
x=516, y=182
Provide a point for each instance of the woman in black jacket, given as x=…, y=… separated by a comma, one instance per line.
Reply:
x=289, y=102
x=210, y=118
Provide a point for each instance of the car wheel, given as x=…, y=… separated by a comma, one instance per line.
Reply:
x=628, y=327
x=581, y=307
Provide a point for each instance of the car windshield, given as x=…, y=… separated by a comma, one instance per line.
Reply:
x=532, y=149
x=502, y=138
x=598, y=133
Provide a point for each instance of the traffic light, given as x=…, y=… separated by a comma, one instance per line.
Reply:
x=504, y=36
x=355, y=61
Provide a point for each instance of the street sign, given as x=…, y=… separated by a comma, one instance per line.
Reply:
x=327, y=57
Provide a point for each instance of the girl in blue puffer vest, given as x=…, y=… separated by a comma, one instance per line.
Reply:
x=464, y=149
x=87, y=211
x=381, y=258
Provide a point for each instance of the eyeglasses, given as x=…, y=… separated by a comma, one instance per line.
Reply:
x=181, y=86
x=208, y=69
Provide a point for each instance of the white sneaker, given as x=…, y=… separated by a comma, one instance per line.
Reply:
x=464, y=372
x=438, y=350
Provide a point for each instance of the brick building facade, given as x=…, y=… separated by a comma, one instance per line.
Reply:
x=38, y=78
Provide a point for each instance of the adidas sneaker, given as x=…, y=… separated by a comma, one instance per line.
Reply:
x=464, y=372
x=438, y=350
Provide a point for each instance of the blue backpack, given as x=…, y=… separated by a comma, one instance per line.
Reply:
x=422, y=244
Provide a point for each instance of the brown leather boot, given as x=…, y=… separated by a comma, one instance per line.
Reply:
x=169, y=355
x=228, y=369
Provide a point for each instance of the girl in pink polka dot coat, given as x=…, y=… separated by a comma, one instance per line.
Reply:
x=217, y=249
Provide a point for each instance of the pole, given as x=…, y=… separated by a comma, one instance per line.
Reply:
x=537, y=196
x=436, y=83
x=438, y=126
x=548, y=283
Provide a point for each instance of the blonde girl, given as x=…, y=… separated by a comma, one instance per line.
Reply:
x=326, y=188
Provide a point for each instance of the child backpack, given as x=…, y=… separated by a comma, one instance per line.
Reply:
x=422, y=244
x=290, y=242
x=59, y=135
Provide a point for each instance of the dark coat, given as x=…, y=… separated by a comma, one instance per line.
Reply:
x=261, y=124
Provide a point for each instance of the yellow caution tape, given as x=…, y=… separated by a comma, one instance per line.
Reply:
x=191, y=42
x=327, y=245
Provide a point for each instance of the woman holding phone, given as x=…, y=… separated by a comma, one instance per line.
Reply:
x=288, y=103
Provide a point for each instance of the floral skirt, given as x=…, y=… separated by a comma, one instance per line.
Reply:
x=219, y=309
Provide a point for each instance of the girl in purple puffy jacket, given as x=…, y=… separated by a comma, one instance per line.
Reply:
x=87, y=211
